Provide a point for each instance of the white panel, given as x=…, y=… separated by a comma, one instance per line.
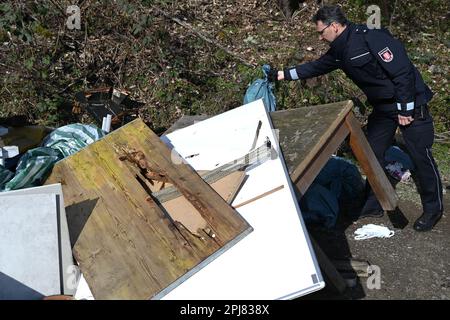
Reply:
x=29, y=253
x=68, y=270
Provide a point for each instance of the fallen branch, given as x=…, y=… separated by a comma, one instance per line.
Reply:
x=297, y=12
x=198, y=33
x=392, y=16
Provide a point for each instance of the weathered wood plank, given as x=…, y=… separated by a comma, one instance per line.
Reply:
x=303, y=131
x=127, y=247
x=312, y=169
x=191, y=185
x=381, y=186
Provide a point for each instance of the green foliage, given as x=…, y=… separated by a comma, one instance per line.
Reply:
x=41, y=30
x=29, y=63
x=47, y=109
x=12, y=20
x=441, y=153
x=175, y=71
x=143, y=23
x=126, y=6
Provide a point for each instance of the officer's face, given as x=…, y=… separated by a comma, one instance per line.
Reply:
x=327, y=32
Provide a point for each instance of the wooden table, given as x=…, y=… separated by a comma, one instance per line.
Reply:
x=308, y=137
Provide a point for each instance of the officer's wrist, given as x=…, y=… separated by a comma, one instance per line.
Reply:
x=405, y=109
x=290, y=74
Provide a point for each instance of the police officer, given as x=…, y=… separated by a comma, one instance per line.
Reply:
x=378, y=64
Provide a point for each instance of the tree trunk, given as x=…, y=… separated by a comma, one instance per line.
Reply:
x=288, y=7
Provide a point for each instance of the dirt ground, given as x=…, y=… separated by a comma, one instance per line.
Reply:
x=413, y=265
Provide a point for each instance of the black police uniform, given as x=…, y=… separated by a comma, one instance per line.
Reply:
x=380, y=67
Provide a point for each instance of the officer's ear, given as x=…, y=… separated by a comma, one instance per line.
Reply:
x=335, y=27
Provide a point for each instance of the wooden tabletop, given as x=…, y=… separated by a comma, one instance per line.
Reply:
x=304, y=130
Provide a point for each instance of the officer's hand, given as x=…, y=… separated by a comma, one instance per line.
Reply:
x=404, y=121
x=280, y=75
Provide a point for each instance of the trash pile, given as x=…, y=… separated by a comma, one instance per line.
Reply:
x=92, y=214
x=119, y=213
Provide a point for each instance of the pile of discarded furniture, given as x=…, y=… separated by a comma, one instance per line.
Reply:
x=209, y=210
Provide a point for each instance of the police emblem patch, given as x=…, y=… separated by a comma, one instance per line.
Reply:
x=386, y=55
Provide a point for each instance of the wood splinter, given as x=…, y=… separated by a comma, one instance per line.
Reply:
x=209, y=232
x=138, y=158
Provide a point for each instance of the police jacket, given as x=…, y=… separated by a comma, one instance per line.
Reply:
x=376, y=62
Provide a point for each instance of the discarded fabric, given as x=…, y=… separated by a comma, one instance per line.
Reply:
x=33, y=168
x=373, y=231
x=395, y=154
x=72, y=138
x=338, y=182
x=5, y=176
x=36, y=163
x=320, y=206
x=396, y=170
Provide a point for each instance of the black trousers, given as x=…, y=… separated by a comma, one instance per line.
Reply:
x=419, y=137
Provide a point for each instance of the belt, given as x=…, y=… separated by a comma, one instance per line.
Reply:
x=383, y=101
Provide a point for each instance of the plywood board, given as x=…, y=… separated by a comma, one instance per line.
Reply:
x=66, y=262
x=30, y=262
x=126, y=246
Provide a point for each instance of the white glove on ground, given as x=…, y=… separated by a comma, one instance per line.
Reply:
x=373, y=231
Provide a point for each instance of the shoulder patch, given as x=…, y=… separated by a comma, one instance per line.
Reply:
x=386, y=55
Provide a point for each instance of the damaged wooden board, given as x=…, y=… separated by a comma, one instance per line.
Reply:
x=182, y=211
x=126, y=245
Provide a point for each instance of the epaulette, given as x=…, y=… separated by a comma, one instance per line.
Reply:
x=361, y=29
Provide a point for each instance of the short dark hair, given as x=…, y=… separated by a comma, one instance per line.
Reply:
x=329, y=14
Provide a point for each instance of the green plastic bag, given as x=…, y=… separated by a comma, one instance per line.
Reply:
x=33, y=168
x=5, y=176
